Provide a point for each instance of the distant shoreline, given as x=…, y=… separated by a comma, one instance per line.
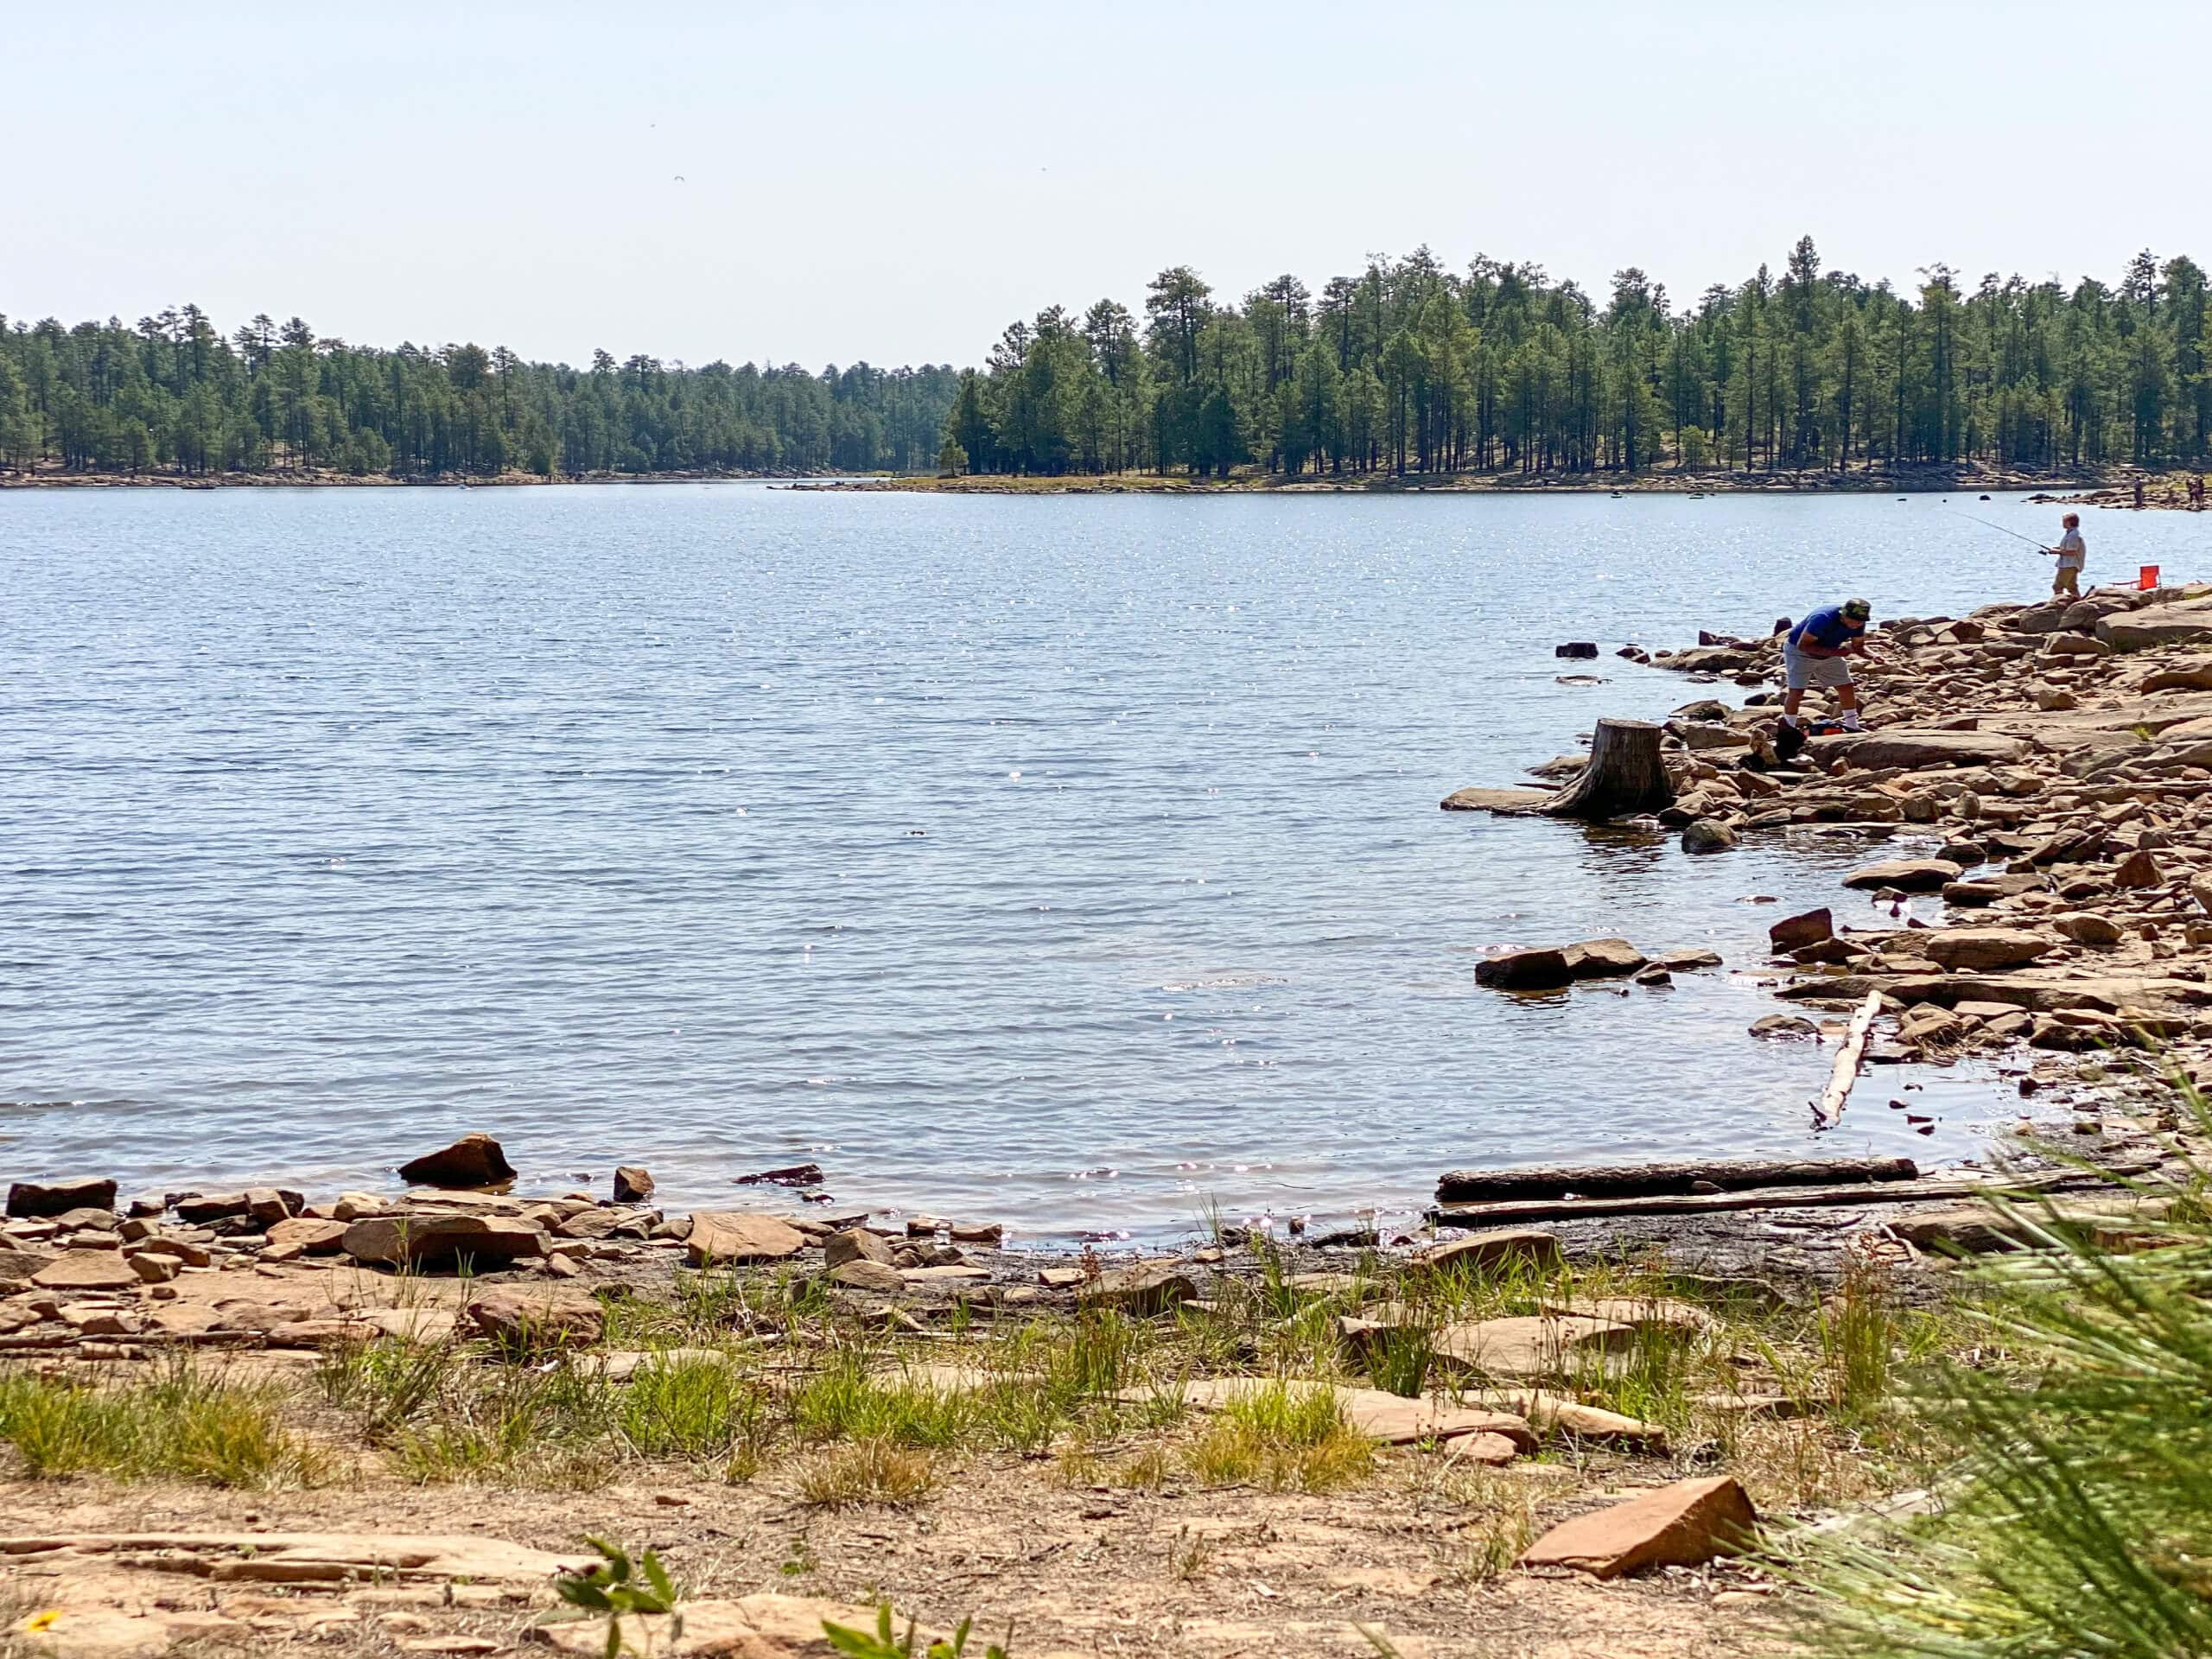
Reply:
x=2089, y=487
x=2099, y=486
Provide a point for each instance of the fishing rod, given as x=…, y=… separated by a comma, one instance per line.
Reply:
x=1976, y=518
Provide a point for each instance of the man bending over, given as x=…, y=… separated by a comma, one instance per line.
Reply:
x=1818, y=653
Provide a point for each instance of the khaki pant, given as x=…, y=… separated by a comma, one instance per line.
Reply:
x=2068, y=581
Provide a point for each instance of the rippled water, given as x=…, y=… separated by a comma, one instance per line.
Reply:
x=1074, y=862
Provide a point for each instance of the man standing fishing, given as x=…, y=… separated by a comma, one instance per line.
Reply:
x=2072, y=553
x=1818, y=652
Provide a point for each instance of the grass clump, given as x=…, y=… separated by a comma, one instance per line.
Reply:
x=693, y=1409
x=2077, y=1516
x=181, y=1425
x=1283, y=1438
x=865, y=1471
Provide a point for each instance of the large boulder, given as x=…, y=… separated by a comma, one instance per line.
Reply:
x=633, y=1184
x=1906, y=874
x=1539, y=969
x=426, y=1240
x=1686, y=1525
x=472, y=1160
x=37, y=1200
x=731, y=1238
x=1984, y=950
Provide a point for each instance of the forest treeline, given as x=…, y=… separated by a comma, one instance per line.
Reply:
x=1410, y=367
x=174, y=394
x=1407, y=366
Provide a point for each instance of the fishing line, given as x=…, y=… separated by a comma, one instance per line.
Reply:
x=1992, y=524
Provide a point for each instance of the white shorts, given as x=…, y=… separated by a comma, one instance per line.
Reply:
x=1800, y=671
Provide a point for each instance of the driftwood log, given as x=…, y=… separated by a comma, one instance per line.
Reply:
x=1625, y=775
x=1827, y=1111
x=1632, y=1180
x=1770, y=1197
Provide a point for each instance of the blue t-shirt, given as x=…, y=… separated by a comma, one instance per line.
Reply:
x=1827, y=628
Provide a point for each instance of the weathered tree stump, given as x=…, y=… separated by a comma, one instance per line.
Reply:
x=1625, y=775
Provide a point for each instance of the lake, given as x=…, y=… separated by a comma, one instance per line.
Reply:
x=1069, y=862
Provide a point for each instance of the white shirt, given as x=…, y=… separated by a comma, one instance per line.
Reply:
x=2073, y=551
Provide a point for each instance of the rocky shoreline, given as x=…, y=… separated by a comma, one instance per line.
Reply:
x=2034, y=791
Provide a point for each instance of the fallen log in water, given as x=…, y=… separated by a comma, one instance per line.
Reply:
x=1628, y=1180
x=1827, y=1111
x=1765, y=1197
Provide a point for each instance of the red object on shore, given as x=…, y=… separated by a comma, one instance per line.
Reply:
x=2147, y=577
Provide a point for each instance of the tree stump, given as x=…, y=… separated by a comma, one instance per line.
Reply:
x=1625, y=775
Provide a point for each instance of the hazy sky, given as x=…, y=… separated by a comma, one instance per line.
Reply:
x=846, y=179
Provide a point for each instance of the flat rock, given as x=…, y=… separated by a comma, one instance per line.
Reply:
x=472, y=1160
x=1556, y=1412
x=1917, y=750
x=864, y=1273
x=1906, y=874
x=419, y=1240
x=313, y=1237
x=1686, y=1525
x=1494, y=1451
x=310, y=1557
x=732, y=1239
x=538, y=1316
x=2157, y=625
x=1988, y=889
x=37, y=1200
x=1145, y=1288
x=1387, y=1417
x=1529, y=1345
x=1984, y=950
x=1603, y=958
x=1512, y=802
x=87, y=1270
x=1487, y=1251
